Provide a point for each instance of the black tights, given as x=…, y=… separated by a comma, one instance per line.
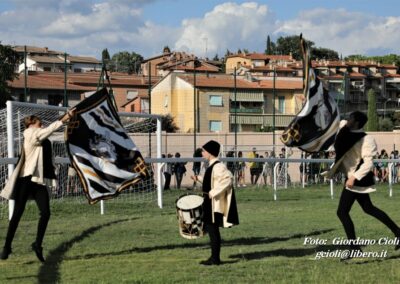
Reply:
x=25, y=188
x=215, y=237
x=346, y=202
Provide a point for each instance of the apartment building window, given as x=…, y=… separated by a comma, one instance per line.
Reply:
x=131, y=94
x=215, y=100
x=215, y=125
x=54, y=100
x=281, y=104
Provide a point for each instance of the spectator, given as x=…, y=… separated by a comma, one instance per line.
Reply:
x=167, y=173
x=259, y=168
x=179, y=171
x=267, y=169
x=394, y=155
x=377, y=168
x=384, y=166
x=196, y=165
x=241, y=171
x=231, y=165
x=253, y=166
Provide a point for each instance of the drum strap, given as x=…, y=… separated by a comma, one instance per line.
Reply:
x=207, y=178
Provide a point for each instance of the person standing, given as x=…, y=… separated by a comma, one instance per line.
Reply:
x=179, y=170
x=31, y=178
x=167, y=173
x=241, y=171
x=354, y=157
x=219, y=207
x=253, y=166
x=196, y=165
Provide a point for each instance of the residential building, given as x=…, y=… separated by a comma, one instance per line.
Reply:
x=48, y=88
x=43, y=59
x=162, y=64
x=211, y=103
x=254, y=61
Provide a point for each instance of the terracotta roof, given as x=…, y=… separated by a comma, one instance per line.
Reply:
x=228, y=82
x=83, y=59
x=186, y=64
x=156, y=56
x=280, y=57
x=257, y=56
x=92, y=78
x=392, y=76
x=357, y=75
x=281, y=84
x=389, y=66
x=269, y=68
x=332, y=77
x=219, y=81
x=262, y=56
x=35, y=49
x=47, y=81
x=77, y=81
x=47, y=59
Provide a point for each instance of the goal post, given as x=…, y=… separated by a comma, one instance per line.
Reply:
x=143, y=129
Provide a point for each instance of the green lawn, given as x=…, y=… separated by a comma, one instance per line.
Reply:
x=140, y=243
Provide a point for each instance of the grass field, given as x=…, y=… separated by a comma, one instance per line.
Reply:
x=139, y=243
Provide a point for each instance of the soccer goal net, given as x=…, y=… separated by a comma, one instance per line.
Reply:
x=144, y=129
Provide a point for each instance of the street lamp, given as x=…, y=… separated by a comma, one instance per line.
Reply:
x=384, y=107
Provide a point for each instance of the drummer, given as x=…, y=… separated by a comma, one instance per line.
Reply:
x=219, y=207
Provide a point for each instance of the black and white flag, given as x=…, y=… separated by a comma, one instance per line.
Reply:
x=105, y=158
x=314, y=128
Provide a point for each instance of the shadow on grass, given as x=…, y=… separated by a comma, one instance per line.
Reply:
x=235, y=242
x=292, y=252
x=376, y=260
x=49, y=271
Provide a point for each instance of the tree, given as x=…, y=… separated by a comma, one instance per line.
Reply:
x=9, y=59
x=396, y=119
x=168, y=124
x=323, y=53
x=126, y=62
x=105, y=56
x=385, y=124
x=372, y=123
x=216, y=58
x=384, y=59
x=270, y=48
x=291, y=44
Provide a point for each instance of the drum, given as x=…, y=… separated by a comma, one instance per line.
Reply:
x=189, y=211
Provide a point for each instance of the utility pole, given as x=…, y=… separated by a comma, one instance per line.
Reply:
x=65, y=81
x=25, y=76
x=273, y=109
x=194, y=107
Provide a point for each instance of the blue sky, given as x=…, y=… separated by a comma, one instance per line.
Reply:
x=200, y=27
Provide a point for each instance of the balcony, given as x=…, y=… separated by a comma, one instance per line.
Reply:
x=246, y=110
x=281, y=120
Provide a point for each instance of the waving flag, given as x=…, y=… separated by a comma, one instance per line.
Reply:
x=105, y=158
x=314, y=128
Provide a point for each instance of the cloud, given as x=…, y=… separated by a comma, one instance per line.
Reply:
x=87, y=27
x=102, y=17
x=227, y=26
x=346, y=32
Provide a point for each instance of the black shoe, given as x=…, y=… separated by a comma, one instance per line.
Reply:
x=38, y=251
x=5, y=253
x=210, y=261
